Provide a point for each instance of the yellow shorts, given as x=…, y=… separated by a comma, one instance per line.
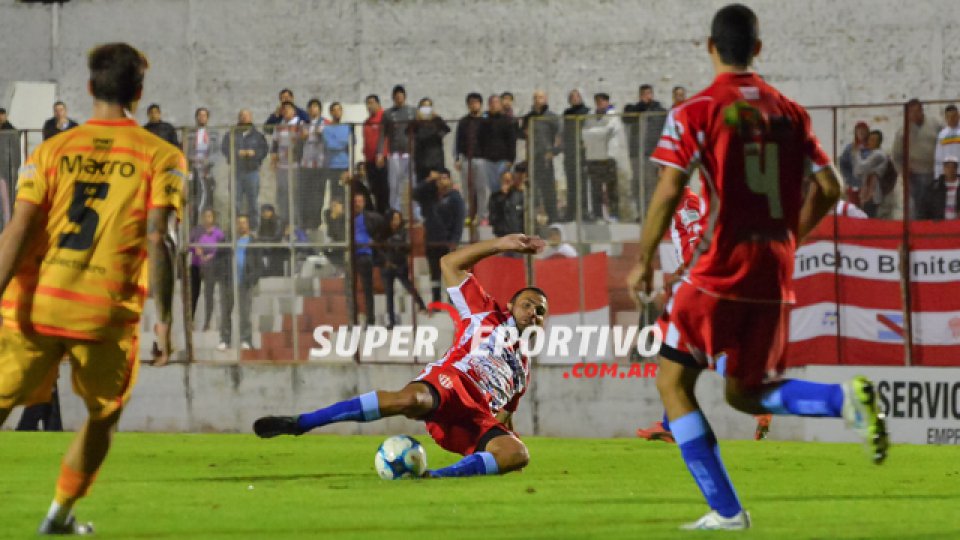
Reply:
x=104, y=372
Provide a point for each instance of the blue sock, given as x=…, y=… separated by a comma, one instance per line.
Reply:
x=700, y=451
x=363, y=408
x=805, y=398
x=665, y=422
x=472, y=465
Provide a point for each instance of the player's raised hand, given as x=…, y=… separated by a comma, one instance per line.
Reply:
x=640, y=283
x=163, y=346
x=521, y=243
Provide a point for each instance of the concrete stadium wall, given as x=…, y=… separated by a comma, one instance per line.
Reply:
x=208, y=398
x=228, y=54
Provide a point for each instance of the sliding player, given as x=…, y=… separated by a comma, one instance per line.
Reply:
x=91, y=204
x=468, y=397
x=753, y=147
x=686, y=231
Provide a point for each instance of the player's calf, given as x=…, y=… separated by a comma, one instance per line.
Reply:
x=503, y=454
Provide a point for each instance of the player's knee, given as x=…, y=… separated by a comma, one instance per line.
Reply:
x=511, y=457
x=415, y=405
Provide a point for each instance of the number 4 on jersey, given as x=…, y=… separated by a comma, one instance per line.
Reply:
x=763, y=173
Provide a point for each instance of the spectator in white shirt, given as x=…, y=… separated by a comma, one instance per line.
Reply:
x=948, y=142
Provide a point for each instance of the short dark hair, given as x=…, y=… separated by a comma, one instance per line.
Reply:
x=59, y=103
x=116, y=73
x=443, y=170
x=398, y=89
x=506, y=95
x=424, y=100
x=517, y=294
x=474, y=96
x=878, y=133
x=735, y=32
x=678, y=87
x=914, y=101
x=285, y=91
x=601, y=95
x=520, y=167
x=373, y=97
x=314, y=100
x=288, y=104
x=645, y=86
x=196, y=113
x=3, y=111
x=950, y=108
x=152, y=107
x=335, y=104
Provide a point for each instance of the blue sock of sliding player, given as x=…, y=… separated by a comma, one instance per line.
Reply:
x=665, y=422
x=363, y=408
x=473, y=465
x=700, y=451
x=804, y=398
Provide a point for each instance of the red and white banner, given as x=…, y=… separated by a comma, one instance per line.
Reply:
x=849, y=295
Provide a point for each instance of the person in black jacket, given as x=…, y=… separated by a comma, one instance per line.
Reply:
x=942, y=199
x=574, y=154
x=271, y=230
x=640, y=150
x=443, y=214
x=158, y=127
x=59, y=122
x=249, y=265
x=428, y=131
x=506, y=207
x=498, y=149
x=466, y=150
x=396, y=253
x=249, y=149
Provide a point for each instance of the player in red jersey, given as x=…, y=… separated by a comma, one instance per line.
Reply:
x=753, y=147
x=468, y=397
x=686, y=231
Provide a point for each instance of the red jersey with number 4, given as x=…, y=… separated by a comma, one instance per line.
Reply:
x=753, y=146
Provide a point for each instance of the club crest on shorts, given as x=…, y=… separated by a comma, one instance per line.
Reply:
x=445, y=381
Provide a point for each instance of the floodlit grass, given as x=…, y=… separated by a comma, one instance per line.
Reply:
x=237, y=486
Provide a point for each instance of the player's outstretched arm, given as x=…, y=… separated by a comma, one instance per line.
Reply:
x=663, y=204
x=455, y=265
x=161, y=275
x=13, y=241
x=822, y=196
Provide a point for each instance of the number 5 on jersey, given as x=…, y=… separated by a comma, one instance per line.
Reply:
x=82, y=215
x=763, y=174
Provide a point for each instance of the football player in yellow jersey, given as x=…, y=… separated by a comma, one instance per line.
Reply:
x=92, y=204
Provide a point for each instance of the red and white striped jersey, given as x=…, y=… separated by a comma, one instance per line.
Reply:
x=686, y=229
x=753, y=146
x=503, y=377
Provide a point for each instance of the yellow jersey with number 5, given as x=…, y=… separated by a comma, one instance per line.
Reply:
x=84, y=273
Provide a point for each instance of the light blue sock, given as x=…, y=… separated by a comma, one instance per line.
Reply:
x=805, y=398
x=473, y=465
x=363, y=408
x=700, y=452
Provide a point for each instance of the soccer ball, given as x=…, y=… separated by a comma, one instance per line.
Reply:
x=400, y=456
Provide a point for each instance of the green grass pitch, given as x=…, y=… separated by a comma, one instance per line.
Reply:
x=199, y=486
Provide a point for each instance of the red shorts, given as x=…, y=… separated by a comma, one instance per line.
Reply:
x=743, y=340
x=462, y=416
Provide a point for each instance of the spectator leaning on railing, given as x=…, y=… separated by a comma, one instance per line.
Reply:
x=249, y=149
x=942, y=200
x=443, y=217
x=158, y=127
x=923, y=144
x=948, y=141
x=506, y=207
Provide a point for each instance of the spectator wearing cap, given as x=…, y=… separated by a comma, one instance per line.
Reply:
x=376, y=172
x=395, y=145
x=948, y=141
x=497, y=140
x=285, y=157
x=923, y=145
x=158, y=127
x=942, y=199
x=466, y=149
x=312, y=180
x=249, y=148
x=9, y=166
x=443, y=217
x=276, y=117
x=60, y=122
